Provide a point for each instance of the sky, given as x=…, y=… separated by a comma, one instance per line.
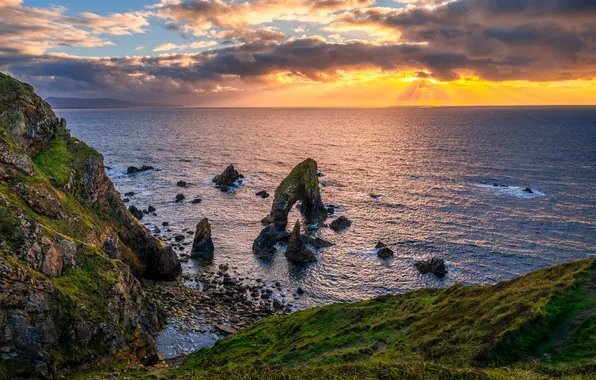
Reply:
x=305, y=53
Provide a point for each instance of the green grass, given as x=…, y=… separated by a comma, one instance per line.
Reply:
x=83, y=293
x=540, y=326
x=54, y=161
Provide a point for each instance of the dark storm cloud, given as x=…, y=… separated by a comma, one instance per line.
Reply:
x=497, y=40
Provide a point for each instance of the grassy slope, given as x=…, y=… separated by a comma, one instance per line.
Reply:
x=538, y=326
x=83, y=290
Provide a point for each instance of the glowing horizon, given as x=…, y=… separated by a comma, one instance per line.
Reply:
x=301, y=53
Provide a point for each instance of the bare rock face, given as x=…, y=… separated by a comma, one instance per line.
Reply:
x=434, y=265
x=302, y=184
x=297, y=251
x=202, y=245
x=71, y=254
x=264, y=244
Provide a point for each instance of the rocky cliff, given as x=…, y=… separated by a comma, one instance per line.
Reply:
x=71, y=255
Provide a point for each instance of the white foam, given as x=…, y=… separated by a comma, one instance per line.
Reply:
x=511, y=191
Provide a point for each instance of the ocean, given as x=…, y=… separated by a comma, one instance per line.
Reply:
x=432, y=172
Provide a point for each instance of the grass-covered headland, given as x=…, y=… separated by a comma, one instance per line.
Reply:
x=539, y=326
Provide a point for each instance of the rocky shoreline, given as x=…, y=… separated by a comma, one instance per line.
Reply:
x=213, y=304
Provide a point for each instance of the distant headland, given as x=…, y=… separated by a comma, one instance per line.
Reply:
x=58, y=103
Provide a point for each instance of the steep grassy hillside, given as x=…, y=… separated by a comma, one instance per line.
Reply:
x=539, y=326
x=70, y=253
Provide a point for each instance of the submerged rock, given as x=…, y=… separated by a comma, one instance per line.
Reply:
x=264, y=244
x=301, y=184
x=135, y=170
x=340, y=224
x=297, y=251
x=434, y=265
x=227, y=179
x=202, y=245
x=528, y=190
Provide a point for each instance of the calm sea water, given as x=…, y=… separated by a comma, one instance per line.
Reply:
x=434, y=169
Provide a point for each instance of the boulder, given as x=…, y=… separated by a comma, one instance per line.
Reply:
x=264, y=244
x=434, y=265
x=380, y=244
x=340, y=224
x=202, y=245
x=196, y=201
x=227, y=179
x=317, y=242
x=385, y=252
x=182, y=183
x=528, y=190
x=297, y=251
x=136, y=212
x=179, y=198
x=263, y=194
x=301, y=184
x=135, y=170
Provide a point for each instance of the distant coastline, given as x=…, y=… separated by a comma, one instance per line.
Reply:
x=87, y=103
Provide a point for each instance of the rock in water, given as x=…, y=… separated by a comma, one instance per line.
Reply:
x=263, y=194
x=380, y=244
x=202, y=245
x=340, y=224
x=317, y=242
x=179, y=198
x=136, y=212
x=302, y=184
x=297, y=251
x=528, y=190
x=135, y=170
x=264, y=244
x=385, y=252
x=434, y=265
x=227, y=179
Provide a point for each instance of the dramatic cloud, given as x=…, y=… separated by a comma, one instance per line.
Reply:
x=199, y=16
x=35, y=30
x=195, y=45
x=426, y=43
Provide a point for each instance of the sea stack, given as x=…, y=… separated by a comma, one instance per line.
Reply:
x=297, y=251
x=227, y=179
x=302, y=184
x=202, y=245
x=264, y=244
x=434, y=265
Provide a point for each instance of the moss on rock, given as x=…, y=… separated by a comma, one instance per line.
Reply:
x=302, y=184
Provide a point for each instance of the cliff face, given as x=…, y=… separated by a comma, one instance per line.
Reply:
x=70, y=253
